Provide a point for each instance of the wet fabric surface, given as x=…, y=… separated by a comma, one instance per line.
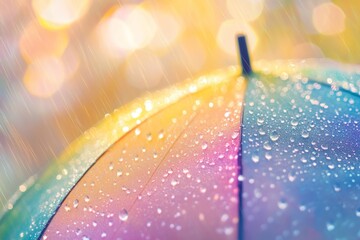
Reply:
x=301, y=155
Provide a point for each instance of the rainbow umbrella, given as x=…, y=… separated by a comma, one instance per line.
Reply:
x=267, y=155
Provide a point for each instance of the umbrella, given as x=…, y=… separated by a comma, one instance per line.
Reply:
x=267, y=155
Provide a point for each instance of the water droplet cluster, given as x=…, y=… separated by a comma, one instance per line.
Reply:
x=301, y=152
x=178, y=167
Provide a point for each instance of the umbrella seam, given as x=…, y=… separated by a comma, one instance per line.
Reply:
x=240, y=168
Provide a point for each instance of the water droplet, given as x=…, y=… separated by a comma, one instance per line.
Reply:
x=76, y=203
x=123, y=215
x=262, y=131
x=67, y=208
x=305, y=134
x=331, y=166
x=294, y=123
x=78, y=231
x=324, y=147
x=204, y=146
x=119, y=173
x=94, y=223
x=234, y=135
x=224, y=217
x=149, y=137
x=292, y=176
x=241, y=178
x=161, y=134
x=203, y=189
x=255, y=158
x=136, y=113
x=103, y=235
x=174, y=182
x=111, y=166
x=330, y=226
x=267, y=146
x=155, y=155
x=125, y=129
x=148, y=105
x=227, y=114
x=358, y=212
x=159, y=211
x=137, y=131
x=302, y=208
x=85, y=238
x=274, y=136
x=268, y=156
x=282, y=204
x=337, y=188
x=260, y=121
x=86, y=198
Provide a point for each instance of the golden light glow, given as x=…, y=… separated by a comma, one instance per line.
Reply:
x=169, y=28
x=71, y=62
x=37, y=42
x=328, y=19
x=144, y=70
x=44, y=77
x=124, y=30
x=246, y=10
x=227, y=32
x=59, y=13
x=307, y=50
x=193, y=52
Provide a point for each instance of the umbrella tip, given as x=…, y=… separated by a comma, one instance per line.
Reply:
x=244, y=55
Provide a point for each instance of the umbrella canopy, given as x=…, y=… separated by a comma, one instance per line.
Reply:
x=187, y=163
x=301, y=153
x=164, y=148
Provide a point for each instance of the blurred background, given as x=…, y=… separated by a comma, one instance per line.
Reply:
x=64, y=64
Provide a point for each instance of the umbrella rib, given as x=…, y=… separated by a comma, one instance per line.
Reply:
x=162, y=160
x=120, y=138
x=240, y=174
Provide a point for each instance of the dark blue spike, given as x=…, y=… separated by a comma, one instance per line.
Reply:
x=244, y=55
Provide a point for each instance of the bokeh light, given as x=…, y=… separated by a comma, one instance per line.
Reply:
x=144, y=70
x=227, y=32
x=37, y=42
x=307, y=50
x=44, y=77
x=246, y=10
x=129, y=28
x=169, y=29
x=59, y=13
x=192, y=53
x=328, y=19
